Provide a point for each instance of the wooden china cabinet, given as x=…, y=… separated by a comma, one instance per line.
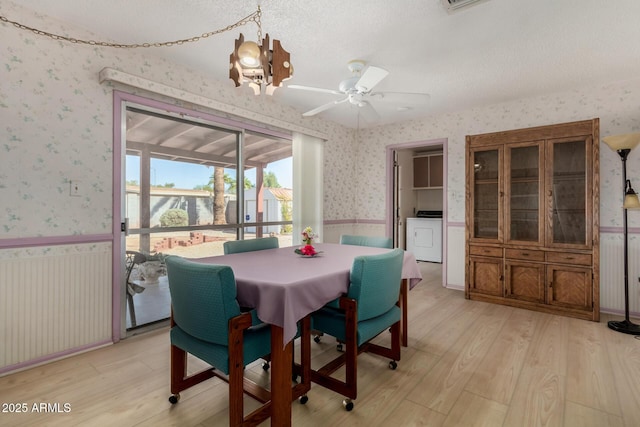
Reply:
x=532, y=208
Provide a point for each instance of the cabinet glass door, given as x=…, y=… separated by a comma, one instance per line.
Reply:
x=487, y=206
x=524, y=218
x=569, y=190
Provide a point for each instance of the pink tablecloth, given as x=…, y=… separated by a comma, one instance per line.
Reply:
x=284, y=287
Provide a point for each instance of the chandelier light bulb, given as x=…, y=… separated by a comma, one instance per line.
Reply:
x=249, y=54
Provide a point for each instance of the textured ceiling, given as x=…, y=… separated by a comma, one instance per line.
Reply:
x=494, y=51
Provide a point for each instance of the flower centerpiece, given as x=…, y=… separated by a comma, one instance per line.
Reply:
x=307, y=238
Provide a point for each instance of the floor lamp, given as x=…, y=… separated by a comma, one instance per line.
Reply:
x=623, y=144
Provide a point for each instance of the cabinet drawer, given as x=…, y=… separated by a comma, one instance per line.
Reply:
x=485, y=251
x=524, y=254
x=569, y=258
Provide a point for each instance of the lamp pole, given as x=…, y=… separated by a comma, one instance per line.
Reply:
x=625, y=326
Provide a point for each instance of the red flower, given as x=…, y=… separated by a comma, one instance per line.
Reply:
x=308, y=250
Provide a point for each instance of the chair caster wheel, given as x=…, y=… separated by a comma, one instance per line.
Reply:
x=339, y=348
x=393, y=365
x=317, y=338
x=174, y=398
x=266, y=366
x=303, y=399
x=348, y=404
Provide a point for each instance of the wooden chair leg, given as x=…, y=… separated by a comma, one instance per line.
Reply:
x=404, y=290
x=351, y=353
x=178, y=369
x=236, y=374
x=395, y=341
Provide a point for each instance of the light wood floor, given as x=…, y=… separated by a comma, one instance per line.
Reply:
x=468, y=364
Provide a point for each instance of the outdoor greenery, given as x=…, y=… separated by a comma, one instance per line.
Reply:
x=270, y=180
x=232, y=185
x=285, y=209
x=174, y=218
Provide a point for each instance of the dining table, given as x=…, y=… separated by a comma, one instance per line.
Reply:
x=284, y=288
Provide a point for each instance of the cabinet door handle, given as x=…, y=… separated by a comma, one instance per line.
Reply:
x=525, y=254
x=550, y=193
x=569, y=258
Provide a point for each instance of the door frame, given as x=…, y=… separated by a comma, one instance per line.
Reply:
x=391, y=196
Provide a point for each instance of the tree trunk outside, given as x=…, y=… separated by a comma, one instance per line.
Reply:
x=218, y=196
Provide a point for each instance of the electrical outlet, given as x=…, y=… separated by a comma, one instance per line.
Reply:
x=75, y=189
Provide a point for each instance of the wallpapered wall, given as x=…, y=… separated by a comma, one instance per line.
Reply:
x=57, y=127
x=616, y=104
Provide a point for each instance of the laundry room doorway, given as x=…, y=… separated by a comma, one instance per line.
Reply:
x=417, y=189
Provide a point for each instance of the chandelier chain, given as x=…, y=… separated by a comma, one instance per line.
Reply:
x=259, y=23
x=254, y=17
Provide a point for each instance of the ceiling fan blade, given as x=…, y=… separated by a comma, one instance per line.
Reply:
x=315, y=89
x=402, y=97
x=369, y=113
x=322, y=108
x=371, y=77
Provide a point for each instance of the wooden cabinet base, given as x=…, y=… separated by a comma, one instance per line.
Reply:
x=545, y=308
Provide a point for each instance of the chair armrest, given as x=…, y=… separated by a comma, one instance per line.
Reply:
x=347, y=304
x=242, y=321
x=255, y=321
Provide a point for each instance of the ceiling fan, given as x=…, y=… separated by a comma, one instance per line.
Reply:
x=358, y=88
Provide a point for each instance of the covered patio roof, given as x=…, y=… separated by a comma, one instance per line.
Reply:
x=177, y=139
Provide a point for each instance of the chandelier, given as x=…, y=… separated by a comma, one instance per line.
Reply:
x=257, y=64
x=262, y=67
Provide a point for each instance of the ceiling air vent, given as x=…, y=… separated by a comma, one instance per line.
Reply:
x=455, y=5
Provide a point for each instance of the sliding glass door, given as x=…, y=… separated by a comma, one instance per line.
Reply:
x=190, y=186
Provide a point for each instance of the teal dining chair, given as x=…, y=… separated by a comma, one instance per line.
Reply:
x=376, y=241
x=250, y=245
x=369, y=308
x=206, y=321
x=259, y=244
x=355, y=240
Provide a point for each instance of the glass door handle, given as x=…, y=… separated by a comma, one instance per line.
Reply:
x=124, y=226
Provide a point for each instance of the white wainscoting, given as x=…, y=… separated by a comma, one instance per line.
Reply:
x=612, y=273
x=53, y=300
x=455, y=257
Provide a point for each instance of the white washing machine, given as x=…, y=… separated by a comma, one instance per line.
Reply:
x=424, y=236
